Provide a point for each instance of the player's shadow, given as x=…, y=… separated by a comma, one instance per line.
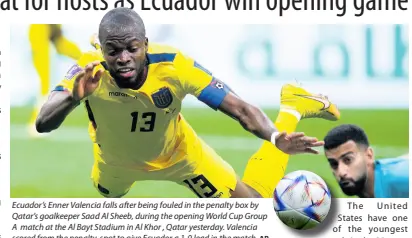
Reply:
x=322, y=227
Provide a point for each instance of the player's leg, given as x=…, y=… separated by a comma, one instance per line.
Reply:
x=196, y=166
x=203, y=171
x=208, y=176
x=63, y=45
x=39, y=41
x=110, y=182
x=267, y=166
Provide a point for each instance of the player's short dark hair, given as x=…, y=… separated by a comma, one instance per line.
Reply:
x=121, y=19
x=344, y=133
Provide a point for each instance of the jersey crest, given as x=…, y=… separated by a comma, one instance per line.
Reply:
x=162, y=98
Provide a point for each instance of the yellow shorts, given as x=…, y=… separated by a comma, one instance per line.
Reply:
x=201, y=170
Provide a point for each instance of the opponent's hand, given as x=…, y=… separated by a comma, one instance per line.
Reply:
x=297, y=143
x=85, y=83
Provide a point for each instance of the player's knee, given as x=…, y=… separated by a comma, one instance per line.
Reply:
x=243, y=190
x=108, y=194
x=55, y=33
x=253, y=193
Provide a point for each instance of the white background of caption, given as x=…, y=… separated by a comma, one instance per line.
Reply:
x=272, y=226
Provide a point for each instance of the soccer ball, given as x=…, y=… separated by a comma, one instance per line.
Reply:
x=302, y=200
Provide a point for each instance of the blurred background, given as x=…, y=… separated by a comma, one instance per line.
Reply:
x=362, y=68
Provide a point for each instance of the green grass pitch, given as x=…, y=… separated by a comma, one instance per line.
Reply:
x=58, y=166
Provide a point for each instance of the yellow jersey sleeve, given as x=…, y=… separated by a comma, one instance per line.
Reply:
x=68, y=81
x=199, y=82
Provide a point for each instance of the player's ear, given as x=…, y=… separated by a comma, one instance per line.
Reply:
x=146, y=44
x=370, y=155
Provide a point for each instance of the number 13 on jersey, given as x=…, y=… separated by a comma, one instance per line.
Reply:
x=149, y=119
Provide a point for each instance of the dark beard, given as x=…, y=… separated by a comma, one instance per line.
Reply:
x=355, y=187
x=134, y=83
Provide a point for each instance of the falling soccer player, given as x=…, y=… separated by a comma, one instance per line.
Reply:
x=133, y=92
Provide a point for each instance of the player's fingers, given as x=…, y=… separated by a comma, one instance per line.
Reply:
x=304, y=142
x=316, y=144
x=308, y=139
x=311, y=151
x=98, y=76
x=80, y=75
x=295, y=135
x=89, y=69
x=95, y=63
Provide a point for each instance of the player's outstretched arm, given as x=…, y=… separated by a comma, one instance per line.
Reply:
x=55, y=110
x=250, y=117
x=61, y=103
x=201, y=83
x=257, y=122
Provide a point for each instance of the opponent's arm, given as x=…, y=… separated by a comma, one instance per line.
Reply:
x=61, y=103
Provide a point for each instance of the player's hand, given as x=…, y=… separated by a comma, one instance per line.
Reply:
x=297, y=143
x=85, y=83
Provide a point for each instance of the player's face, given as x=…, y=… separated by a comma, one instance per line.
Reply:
x=125, y=56
x=349, y=163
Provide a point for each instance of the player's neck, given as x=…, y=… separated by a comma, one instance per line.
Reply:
x=369, y=188
x=141, y=78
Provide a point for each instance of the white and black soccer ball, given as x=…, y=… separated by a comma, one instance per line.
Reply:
x=302, y=200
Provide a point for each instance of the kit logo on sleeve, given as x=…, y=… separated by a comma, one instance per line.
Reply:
x=75, y=69
x=217, y=84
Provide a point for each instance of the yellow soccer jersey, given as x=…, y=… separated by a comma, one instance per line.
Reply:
x=136, y=127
